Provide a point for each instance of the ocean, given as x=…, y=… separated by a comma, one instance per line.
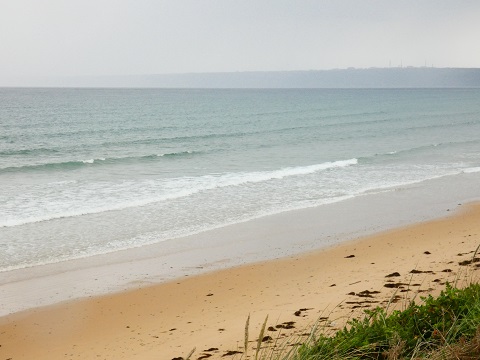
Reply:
x=93, y=171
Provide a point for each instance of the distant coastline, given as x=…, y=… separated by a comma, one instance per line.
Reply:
x=398, y=77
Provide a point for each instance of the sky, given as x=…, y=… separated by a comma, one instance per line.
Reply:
x=42, y=38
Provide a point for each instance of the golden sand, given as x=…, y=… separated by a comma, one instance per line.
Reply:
x=209, y=311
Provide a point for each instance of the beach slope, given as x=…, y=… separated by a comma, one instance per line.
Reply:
x=208, y=312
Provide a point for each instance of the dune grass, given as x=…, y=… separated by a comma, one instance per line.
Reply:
x=443, y=327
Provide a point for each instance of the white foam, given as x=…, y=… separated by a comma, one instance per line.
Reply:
x=102, y=197
x=472, y=170
x=91, y=161
x=177, y=153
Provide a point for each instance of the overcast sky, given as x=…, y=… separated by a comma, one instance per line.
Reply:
x=120, y=37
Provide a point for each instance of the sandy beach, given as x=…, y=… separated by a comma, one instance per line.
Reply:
x=208, y=312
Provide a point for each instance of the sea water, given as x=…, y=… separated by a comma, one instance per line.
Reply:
x=92, y=171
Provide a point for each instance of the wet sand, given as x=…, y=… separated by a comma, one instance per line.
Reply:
x=209, y=311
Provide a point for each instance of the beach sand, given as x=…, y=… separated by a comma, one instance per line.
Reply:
x=208, y=312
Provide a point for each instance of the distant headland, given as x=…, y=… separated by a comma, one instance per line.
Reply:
x=398, y=77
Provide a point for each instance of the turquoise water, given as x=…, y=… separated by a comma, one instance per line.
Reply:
x=91, y=171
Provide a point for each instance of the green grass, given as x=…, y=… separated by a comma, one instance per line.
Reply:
x=442, y=327
x=445, y=327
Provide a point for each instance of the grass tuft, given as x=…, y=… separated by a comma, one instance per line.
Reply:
x=245, y=339
x=444, y=327
x=260, y=338
x=190, y=354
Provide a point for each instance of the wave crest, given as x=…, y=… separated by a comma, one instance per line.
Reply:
x=136, y=194
x=93, y=161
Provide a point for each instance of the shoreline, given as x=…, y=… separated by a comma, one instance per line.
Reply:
x=286, y=234
x=208, y=311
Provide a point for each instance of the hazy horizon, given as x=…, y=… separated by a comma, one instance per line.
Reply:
x=54, y=38
x=408, y=77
